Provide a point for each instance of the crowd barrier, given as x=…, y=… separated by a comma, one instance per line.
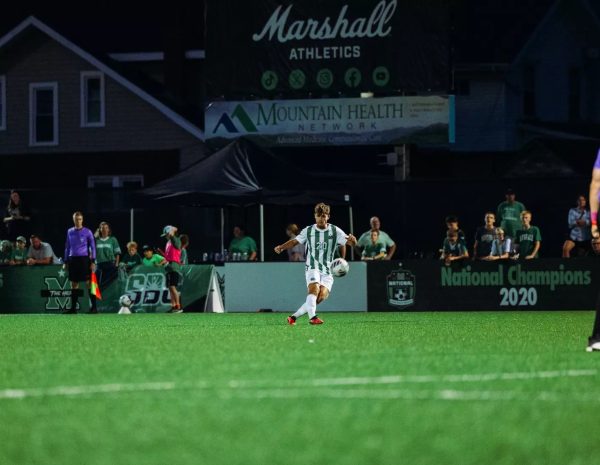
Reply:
x=408, y=285
x=46, y=289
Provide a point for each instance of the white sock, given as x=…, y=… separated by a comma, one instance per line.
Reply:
x=301, y=311
x=311, y=305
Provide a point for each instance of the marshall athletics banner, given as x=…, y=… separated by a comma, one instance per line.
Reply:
x=46, y=289
x=390, y=120
x=290, y=48
x=426, y=285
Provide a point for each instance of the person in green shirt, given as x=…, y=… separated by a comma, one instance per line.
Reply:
x=185, y=241
x=375, y=250
x=19, y=253
x=365, y=238
x=528, y=238
x=132, y=258
x=453, y=248
x=151, y=258
x=242, y=244
x=5, y=252
x=508, y=214
x=108, y=254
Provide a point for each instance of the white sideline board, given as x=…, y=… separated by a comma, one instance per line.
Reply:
x=281, y=287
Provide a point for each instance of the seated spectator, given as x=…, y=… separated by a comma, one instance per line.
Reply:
x=375, y=250
x=501, y=247
x=40, y=253
x=453, y=249
x=365, y=238
x=185, y=242
x=484, y=238
x=19, y=253
x=152, y=259
x=578, y=237
x=296, y=253
x=528, y=239
x=452, y=225
x=5, y=252
x=242, y=244
x=17, y=218
x=132, y=258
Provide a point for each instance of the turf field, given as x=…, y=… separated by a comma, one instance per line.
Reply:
x=379, y=388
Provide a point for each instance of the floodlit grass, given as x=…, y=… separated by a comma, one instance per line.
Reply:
x=378, y=388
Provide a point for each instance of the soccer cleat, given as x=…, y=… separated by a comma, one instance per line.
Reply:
x=593, y=345
x=316, y=321
x=175, y=310
x=291, y=320
x=70, y=311
x=93, y=310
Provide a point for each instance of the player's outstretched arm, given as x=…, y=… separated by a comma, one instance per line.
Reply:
x=287, y=245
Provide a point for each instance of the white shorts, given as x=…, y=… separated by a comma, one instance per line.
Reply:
x=315, y=276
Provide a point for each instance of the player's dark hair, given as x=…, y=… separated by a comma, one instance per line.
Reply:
x=97, y=234
x=185, y=240
x=322, y=208
x=452, y=219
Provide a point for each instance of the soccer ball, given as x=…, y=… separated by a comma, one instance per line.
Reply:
x=125, y=303
x=339, y=267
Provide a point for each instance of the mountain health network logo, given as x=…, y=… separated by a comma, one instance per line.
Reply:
x=239, y=115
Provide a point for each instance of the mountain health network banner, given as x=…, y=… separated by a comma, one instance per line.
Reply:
x=269, y=47
x=428, y=285
x=390, y=120
x=46, y=289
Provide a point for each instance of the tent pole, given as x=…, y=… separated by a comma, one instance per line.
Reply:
x=262, y=232
x=351, y=229
x=131, y=225
x=222, y=231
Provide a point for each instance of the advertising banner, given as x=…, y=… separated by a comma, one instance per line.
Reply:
x=426, y=285
x=390, y=120
x=46, y=289
x=270, y=48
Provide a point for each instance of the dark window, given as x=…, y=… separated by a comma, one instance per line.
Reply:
x=44, y=115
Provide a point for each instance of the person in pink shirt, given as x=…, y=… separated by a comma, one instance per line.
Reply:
x=173, y=257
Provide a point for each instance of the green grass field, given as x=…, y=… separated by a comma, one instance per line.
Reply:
x=378, y=388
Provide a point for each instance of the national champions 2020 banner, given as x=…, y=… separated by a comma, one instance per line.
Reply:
x=289, y=49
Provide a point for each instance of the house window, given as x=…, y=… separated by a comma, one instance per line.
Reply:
x=2, y=103
x=43, y=113
x=92, y=99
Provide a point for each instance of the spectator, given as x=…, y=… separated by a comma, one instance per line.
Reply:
x=173, y=257
x=453, y=249
x=108, y=254
x=242, y=244
x=296, y=253
x=152, y=259
x=375, y=250
x=5, y=252
x=501, y=247
x=132, y=258
x=185, y=242
x=40, y=253
x=528, y=238
x=508, y=214
x=452, y=225
x=484, y=238
x=365, y=238
x=578, y=237
x=19, y=254
x=17, y=216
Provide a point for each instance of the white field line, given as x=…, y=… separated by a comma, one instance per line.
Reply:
x=248, y=389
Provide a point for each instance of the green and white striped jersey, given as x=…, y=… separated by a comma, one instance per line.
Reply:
x=320, y=246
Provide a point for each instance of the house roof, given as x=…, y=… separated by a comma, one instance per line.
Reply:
x=32, y=22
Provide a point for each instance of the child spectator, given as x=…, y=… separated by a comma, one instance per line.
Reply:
x=528, y=238
x=19, y=254
x=185, y=242
x=501, y=247
x=453, y=249
x=375, y=250
x=152, y=259
x=132, y=258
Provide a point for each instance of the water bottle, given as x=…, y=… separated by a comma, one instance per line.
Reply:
x=225, y=255
x=205, y=257
x=245, y=256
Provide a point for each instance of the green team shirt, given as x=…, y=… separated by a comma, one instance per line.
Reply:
x=455, y=250
x=509, y=216
x=526, y=239
x=131, y=261
x=19, y=255
x=372, y=250
x=321, y=245
x=153, y=261
x=107, y=249
x=243, y=245
x=365, y=239
x=184, y=257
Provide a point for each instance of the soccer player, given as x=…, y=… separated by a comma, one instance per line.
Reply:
x=80, y=258
x=594, y=339
x=320, y=241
